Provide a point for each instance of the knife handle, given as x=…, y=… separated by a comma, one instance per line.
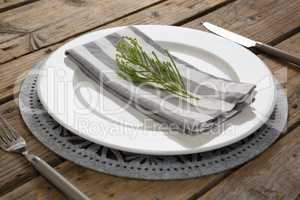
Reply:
x=278, y=53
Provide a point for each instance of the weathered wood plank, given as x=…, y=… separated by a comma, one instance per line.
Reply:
x=10, y=4
x=26, y=29
x=292, y=81
x=171, y=12
x=55, y=26
x=11, y=73
x=100, y=186
x=14, y=169
x=274, y=175
x=76, y=16
x=266, y=21
x=153, y=189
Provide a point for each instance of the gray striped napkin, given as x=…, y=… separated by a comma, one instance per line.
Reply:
x=220, y=99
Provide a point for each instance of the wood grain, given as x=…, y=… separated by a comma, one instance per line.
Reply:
x=171, y=12
x=41, y=23
x=274, y=175
x=56, y=26
x=268, y=21
x=72, y=16
x=10, y=4
x=11, y=71
x=289, y=77
x=292, y=86
x=100, y=186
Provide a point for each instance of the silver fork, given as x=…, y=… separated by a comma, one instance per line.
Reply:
x=12, y=142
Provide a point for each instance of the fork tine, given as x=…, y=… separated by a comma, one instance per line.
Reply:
x=9, y=139
x=5, y=135
x=9, y=132
x=3, y=142
x=3, y=122
x=6, y=139
x=3, y=145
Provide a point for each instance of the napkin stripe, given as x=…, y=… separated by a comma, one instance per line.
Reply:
x=100, y=54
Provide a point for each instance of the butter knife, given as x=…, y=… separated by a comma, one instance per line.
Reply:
x=248, y=43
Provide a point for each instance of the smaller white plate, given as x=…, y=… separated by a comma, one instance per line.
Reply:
x=78, y=103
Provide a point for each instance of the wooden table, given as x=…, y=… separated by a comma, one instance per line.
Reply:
x=31, y=29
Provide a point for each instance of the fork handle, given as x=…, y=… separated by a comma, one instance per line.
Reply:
x=56, y=178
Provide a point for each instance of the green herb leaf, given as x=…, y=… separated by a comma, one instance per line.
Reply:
x=135, y=65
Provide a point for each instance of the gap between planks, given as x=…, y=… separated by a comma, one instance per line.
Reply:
x=28, y=20
x=5, y=6
x=215, y=5
x=205, y=12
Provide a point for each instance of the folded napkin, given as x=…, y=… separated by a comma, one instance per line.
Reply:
x=219, y=99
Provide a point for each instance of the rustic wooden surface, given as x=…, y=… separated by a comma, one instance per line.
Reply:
x=10, y=4
x=31, y=29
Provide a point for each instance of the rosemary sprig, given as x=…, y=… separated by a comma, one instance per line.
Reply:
x=135, y=65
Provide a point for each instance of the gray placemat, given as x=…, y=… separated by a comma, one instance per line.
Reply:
x=120, y=163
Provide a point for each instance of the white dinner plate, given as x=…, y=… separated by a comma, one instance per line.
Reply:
x=91, y=112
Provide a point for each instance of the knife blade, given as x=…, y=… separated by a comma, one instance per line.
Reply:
x=230, y=35
x=248, y=43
